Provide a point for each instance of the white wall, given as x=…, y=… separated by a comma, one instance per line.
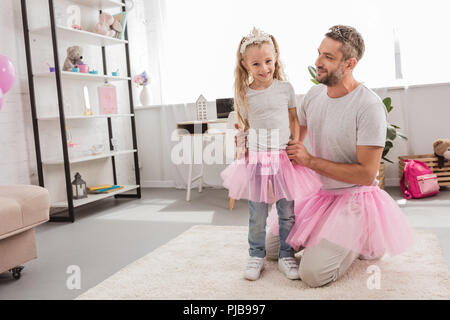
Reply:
x=17, y=155
x=422, y=111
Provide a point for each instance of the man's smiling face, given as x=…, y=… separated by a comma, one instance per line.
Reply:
x=330, y=64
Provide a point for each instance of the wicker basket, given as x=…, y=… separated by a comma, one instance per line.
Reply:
x=432, y=162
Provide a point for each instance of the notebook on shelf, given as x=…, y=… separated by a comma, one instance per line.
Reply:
x=104, y=189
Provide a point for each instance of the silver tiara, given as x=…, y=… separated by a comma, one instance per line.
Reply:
x=256, y=36
x=337, y=30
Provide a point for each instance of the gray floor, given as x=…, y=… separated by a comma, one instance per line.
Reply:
x=111, y=234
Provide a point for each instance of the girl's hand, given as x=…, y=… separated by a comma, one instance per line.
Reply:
x=291, y=139
x=240, y=141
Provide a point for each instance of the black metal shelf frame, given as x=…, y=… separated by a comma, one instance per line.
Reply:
x=62, y=120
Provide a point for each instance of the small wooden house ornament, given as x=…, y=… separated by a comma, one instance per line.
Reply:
x=202, y=108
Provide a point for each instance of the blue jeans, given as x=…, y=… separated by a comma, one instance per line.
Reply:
x=257, y=227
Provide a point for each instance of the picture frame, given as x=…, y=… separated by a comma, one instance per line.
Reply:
x=107, y=96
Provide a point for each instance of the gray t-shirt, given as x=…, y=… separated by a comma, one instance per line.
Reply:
x=269, y=117
x=337, y=125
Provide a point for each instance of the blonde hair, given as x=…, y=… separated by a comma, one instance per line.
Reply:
x=242, y=77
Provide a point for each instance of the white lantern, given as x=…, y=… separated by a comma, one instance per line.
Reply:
x=79, y=189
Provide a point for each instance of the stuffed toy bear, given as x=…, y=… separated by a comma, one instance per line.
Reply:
x=74, y=57
x=107, y=25
x=442, y=150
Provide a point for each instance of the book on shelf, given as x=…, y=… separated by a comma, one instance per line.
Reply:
x=103, y=186
x=104, y=189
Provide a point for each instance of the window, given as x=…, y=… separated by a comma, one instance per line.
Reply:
x=423, y=29
x=201, y=39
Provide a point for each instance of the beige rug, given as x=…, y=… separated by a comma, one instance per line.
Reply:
x=207, y=262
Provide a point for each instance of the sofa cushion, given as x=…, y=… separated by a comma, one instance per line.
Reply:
x=23, y=205
x=10, y=215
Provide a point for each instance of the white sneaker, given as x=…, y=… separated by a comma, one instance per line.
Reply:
x=254, y=267
x=289, y=267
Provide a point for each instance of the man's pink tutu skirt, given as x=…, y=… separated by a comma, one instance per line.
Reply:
x=268, y=176
x=363, y=219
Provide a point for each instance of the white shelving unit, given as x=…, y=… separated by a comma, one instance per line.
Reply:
x=88, y=158
x=100, y=4
x=94, y=197
x=63, y=169
x=98, y=116
x=81, y=76
x=82, y=36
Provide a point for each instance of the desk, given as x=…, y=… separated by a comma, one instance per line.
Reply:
x=200, y=128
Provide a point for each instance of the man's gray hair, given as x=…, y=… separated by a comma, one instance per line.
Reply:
x=352, y=41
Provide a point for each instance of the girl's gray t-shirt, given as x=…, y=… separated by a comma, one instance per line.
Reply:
x=337, y=125
x=268, y=116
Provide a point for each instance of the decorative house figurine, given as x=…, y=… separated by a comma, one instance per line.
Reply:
x=79, y=189
x=202, y=108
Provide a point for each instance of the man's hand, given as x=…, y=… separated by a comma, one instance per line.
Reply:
x=362, y=173
x=298, y=154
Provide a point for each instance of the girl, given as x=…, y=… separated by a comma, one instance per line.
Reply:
x=266, y=109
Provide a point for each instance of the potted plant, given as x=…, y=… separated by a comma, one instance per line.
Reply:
x=313, y=73
x=391, y=133
x=142, y=80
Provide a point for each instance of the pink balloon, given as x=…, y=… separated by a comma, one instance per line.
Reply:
x=7, y=74
x=1, y=99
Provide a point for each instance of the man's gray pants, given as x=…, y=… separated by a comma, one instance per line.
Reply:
x=320, y=264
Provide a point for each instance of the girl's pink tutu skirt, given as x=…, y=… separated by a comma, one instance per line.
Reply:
x=268, y=176
x=363, y=219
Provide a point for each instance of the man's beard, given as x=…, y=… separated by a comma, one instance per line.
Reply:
x=333, y=77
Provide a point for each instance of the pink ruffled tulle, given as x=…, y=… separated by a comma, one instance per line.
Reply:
x=268, y=176
x=363, y=219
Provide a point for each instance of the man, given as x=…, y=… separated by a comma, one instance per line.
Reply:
x=350, y=216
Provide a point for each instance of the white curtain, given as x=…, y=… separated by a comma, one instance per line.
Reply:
x=146, y=32
x=156, y=124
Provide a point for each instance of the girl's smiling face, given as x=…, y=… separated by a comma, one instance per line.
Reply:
x=260, y=61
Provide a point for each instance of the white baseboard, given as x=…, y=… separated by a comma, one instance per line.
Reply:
x=158, y=184
x=392, y=182
x=171, y=184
